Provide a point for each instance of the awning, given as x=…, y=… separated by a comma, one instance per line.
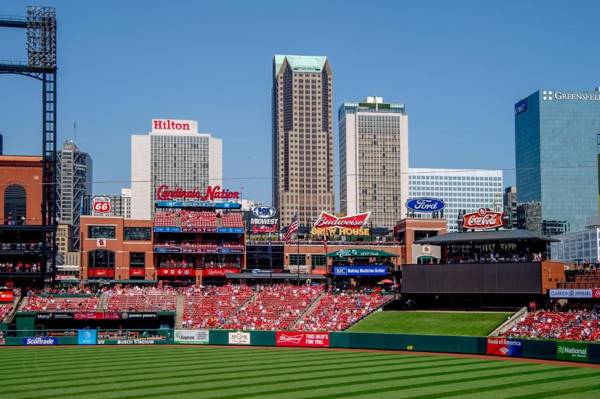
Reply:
x=274, y=276
x=485, y=237
x=360, y=253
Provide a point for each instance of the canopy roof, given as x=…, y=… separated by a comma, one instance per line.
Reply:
x=483, y=237
x=360, y=253
x=274, y=276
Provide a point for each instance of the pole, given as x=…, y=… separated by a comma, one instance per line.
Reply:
x=298, y=257
x=270, y=261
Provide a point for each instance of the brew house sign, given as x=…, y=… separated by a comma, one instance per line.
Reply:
x=482, y=219
x=166, y=193
x=330, y=225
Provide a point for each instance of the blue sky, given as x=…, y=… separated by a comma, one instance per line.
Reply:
x=458, y=66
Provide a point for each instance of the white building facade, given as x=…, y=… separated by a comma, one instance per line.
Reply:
x=176, y=155
x=462, y=190
x=374, y=160
x=577, y=246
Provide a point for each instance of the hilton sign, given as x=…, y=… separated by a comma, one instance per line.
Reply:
x=174, y=125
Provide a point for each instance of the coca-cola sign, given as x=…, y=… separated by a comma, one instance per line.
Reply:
x=350, y=222
x=482, y=219
x=165, y=193
x=101, y=205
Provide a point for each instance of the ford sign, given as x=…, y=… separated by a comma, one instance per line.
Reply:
x=264, y=212
x=425, y=204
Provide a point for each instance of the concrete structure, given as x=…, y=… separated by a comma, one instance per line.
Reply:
x=20, y=190
x=63, y=238
x=465, y=190
x=407, y=231
x=374, y=160
x=174, y=154
x=556, y=143
x=302, y=146
x=577, y=246
x=73, y=183
x=510, y=206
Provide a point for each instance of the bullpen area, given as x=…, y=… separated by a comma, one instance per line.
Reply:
x=221, y=372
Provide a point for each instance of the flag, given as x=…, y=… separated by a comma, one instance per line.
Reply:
x=292, y=228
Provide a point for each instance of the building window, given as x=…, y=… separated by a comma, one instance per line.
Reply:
x=137, y=259
x=101, y=258
x=108, y=232
x=296, y=259
x=319, y=260
x=15, y=199
x=137, y=234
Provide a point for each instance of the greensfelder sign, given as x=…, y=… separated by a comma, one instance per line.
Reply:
x=572, y=351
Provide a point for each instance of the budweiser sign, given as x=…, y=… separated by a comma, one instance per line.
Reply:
x=305, y=339
x=165, y=193
x=483, y=219
x=351, y=222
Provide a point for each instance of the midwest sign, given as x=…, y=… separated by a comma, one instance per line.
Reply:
x=482, y=219
x=425, y=204
x=263, y=219
x=166, y=193
x=329, y=225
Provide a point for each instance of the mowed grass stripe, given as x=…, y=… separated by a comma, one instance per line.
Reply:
x=300, y=382
x=570, y=392
x=140, y=366
x=195, y=370
x=432, y=388
x=321, y=365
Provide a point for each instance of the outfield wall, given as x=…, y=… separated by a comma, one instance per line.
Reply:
x=494, y=346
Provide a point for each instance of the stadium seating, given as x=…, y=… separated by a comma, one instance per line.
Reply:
x=275, y=307
x=150, y=299
x=5, y=310
x=51, y=303
x=212, y=306
x=337, y=312
x=232, y=220
x=573, y=325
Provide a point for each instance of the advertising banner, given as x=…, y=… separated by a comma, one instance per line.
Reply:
x=304, y=339
x=218, y=272
x=137, y=272
x=239, y=338
x=6, y=296
x=192, y=336
x=360, y=270
x=425, y=204
x=263, y=219
x=331, y=225
x=572, y=351
x=37, y=341
x=504, y=347
x=138, y=316
x=571, y=293
x=53, y=316
x=87, y=337
x=100, y=272
x=175, y=271
x=482, y=219
x=96, y=316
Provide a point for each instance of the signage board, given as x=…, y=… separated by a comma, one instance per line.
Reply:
x=175, y=271
x=53, y=316
x=331, y=225
x=575, y=293
x=100, y=272
x=425, y=204
x=239, y=338
x=521, y=106
x=263, y=220
x=96, y=316
x=38, y=341
x=6, y=296
x=87, y=337
x=212, y=193
x=198, y=204
x=101, y=205
x=482, y=219
x=218, y=272
x=360, y=270
x=504, y=347
x=174, y=125
x=572, y=351
x=184, y=336
x=303, y=339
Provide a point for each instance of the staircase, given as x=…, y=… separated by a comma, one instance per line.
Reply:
x=307, y=311
x=103, y=302
x=179, y=310
x=234, y=314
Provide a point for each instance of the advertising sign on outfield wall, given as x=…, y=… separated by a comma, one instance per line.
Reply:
x=40, y=341
x=305, y=339
x=239, y=338
x=572, y=351
x=87, y=337
x=191, y=336
x=504, y=347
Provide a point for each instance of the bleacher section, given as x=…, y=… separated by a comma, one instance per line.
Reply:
x=5, y=310
x=197, y=219
x=582, y=279
x=142, y=299
x=51, y=303
x=275, y=307
x=575, y=325
x=336, y=312
x=211, y=307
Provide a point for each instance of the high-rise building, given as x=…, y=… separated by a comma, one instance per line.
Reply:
x=74, y=183
x=374, y=160
x=462, y=190
x=556, y=143
x=174, y=155
x=510, y=206
x=126, y=202
x=302, y=161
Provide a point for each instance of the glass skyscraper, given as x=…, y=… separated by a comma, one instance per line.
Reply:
x=556, y=141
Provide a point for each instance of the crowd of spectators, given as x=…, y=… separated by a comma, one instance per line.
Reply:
x=5, y=310
x=20, y=267
x=577, y=325
x=37, y=303
x=274, y=307
x=140, y=299
x=337, y=311
x=495, y=257
x=211, y=307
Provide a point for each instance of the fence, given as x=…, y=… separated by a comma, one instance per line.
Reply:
x=535, y=349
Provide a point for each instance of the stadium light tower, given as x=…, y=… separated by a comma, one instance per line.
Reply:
x=40, y=26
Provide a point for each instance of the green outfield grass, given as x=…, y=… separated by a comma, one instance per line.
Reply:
x=436, y=323
x=234, y=373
